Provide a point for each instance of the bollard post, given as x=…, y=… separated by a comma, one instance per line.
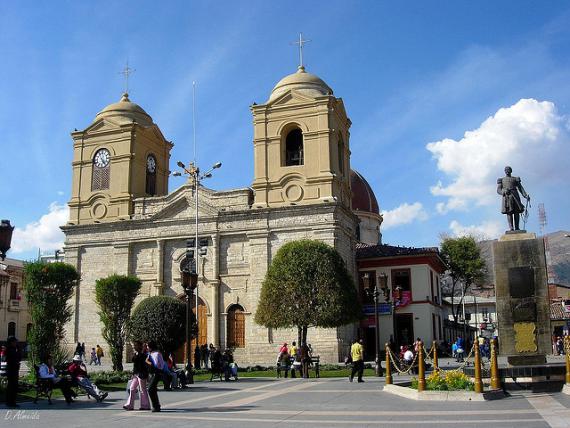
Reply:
x=495, y=381
x=435, y=361
x=567, y=352
x=388, y=366
x=421, y=368
x=478, y=381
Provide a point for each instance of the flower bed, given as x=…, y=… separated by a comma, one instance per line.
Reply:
x=449, y=380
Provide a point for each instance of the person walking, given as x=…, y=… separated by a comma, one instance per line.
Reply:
x=100, y=354
x=155, y=363
x=13, y=358
x=205, y=356
x=138, y=380
x=93, y=356
x=197, y=357
x=357, y=354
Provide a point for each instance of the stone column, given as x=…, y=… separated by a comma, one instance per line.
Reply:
x=216, y=289
x=73, y=257
x=159, y=285
x=121, y=254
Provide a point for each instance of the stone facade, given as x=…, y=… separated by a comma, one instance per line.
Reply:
x=14, y=314
x=145, y=235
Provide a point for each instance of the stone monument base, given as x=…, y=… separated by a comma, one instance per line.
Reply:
x=526, y=360
x=523, y=308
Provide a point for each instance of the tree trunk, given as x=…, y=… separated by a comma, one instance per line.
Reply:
x=453, y=284
x=304, y=336
x=299, y=335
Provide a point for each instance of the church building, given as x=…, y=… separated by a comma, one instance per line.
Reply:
x=124, y=221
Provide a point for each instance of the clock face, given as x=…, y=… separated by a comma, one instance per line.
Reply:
x=151, y=164
x=102, y=158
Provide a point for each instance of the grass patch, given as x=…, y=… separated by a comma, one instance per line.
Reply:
x=117, y=381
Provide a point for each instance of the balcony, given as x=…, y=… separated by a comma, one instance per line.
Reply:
x=14, y=305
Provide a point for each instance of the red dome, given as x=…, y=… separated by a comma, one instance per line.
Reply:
x=363, y=198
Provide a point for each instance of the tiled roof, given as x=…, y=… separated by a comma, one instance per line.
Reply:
x=557, y=312
x=367, y=251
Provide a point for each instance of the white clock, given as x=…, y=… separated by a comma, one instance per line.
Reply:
x=151, y=164
x=102, y=158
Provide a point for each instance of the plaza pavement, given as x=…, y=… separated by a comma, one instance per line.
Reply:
x=262, y=402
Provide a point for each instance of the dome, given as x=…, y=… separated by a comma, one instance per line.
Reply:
x=306, y=83
x=126, y=111
x=363, y=198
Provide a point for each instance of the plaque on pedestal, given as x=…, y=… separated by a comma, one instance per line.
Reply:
x=523, y=309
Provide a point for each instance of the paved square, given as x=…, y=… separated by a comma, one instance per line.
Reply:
x=300, y=403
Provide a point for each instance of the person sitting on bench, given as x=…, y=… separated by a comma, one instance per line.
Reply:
x=78, y=373
x=46, y=371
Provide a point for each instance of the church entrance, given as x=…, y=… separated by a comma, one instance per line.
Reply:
x=202, y=331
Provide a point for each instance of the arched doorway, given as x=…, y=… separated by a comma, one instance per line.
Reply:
x=202, y=318
x=202, y=323
x=236, y=327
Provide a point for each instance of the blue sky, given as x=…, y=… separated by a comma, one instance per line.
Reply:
x=441, y=96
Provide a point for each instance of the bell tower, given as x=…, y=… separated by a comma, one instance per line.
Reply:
x=301, y=145
x=121, y=156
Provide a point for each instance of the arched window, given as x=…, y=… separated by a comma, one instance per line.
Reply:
x=236, y=327
x=294, y=148
x=11, y=328
x=151, y=175
x=101, y=170
x=340, y=148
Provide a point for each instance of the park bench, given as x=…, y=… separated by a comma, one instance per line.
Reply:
x=43, y=387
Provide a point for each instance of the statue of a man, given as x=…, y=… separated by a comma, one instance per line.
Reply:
x=509, y=187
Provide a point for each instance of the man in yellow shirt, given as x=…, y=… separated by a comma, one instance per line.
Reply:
x=357, y=354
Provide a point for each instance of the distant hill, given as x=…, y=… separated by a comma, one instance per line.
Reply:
x=558, y=259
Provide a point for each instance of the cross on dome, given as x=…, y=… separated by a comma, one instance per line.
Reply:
x=126, y=72
x=301, y=43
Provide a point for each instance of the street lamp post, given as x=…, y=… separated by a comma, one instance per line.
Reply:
x=5, y=237
x=196, y=177
x=375, y=294
x=383, y=280
x=189, y=283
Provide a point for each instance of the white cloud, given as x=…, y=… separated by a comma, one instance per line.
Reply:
x=44, y=233
x=404, y=214
x=485, y=230
x=530, y=136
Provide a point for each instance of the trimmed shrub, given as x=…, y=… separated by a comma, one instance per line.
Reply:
x=115, y=296
x=48, y=288
x=161, y=319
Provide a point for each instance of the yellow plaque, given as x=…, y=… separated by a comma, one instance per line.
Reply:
x=525, y=339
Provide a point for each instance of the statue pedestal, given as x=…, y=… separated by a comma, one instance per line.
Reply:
x=523, y=308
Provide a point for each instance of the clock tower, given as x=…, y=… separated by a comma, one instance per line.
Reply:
x=122, y=155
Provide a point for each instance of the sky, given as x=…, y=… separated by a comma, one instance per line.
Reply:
x=441, y=95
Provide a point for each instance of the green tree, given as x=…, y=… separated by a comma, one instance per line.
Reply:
x=161, y=319
x=115, y=296
x=48, y=288
x=465, y=266
x=307, y=285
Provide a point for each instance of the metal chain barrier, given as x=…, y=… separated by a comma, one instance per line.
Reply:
x=393, y=360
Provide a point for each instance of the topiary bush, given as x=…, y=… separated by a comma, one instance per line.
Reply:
x=307, y=285
x=115, y=296
x=161, y=319
x=107, y=377
x=48, y=288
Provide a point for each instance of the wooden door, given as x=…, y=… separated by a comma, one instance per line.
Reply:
x=236, y=327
